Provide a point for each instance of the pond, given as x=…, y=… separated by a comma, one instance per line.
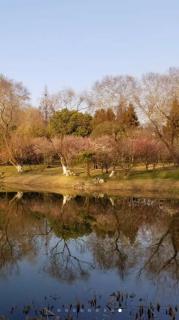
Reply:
x=88, y=257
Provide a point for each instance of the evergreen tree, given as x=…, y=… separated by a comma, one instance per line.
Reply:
x=127, y=116
x=102, y=115
x=70, y=122
x=46, y=105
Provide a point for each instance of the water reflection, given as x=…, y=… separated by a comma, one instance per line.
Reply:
x=72, y=239
x=119, y=230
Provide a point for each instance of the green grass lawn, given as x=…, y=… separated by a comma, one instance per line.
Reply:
x=136, y=173
x=160, y=173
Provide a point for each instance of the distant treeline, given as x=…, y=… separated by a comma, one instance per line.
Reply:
x=120, y=122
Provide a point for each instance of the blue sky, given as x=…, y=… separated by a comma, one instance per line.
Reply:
x=72, y=43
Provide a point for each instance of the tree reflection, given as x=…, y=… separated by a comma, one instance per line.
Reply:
x=163, y=254
x=78, y=234
x=64, y=265
x=16, y=233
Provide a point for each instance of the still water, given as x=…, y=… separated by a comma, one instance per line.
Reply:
x=86, y=257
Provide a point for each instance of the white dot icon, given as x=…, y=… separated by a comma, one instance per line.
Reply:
x=119, y=310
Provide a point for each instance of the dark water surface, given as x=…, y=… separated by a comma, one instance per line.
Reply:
x=88, y=257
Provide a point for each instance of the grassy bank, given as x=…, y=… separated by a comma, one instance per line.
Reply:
x=39, y=178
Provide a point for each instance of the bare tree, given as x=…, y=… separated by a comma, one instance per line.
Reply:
x=157, y=93
x=13, y=97
x=68, y=98
x=111, y=90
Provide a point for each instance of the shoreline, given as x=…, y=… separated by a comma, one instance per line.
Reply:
x=75, y=185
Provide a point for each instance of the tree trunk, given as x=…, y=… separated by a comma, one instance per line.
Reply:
x=18, y=167
x=66, y=171
x=112, y=173
x=88, y=169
